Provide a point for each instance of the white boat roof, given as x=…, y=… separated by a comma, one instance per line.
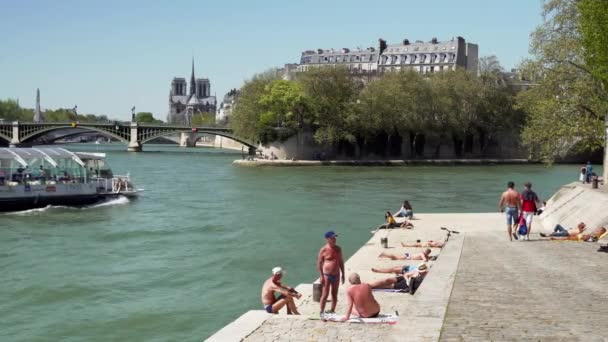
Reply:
x=23, y=155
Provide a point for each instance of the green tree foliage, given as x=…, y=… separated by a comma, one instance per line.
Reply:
x=146, y=117
x=564, y=110
x=331, y=94
x=594, y=30
x=246, y=113
x=11, y=111
x=338, y=107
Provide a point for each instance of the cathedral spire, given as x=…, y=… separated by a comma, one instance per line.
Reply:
x=192, y=80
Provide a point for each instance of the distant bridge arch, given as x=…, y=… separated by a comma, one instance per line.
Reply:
x=131, y=133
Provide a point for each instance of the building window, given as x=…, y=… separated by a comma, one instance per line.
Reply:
x=413, y=59
x=403, y=59
x=423, y=59
x=338, y=59
x=372, y=57
x=384, y=59
x=331, y=59
x=394, y=59
x=442, y=58
x=363, y=58
x=433, y=58
x=452, y=56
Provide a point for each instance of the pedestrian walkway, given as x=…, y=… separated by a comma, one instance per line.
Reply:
x=528, y=290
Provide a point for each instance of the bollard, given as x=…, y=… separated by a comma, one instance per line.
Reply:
x=384, y=242
x=317, y=288
x=594, y=182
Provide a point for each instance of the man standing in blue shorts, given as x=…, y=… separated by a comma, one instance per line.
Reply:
x=509, y=202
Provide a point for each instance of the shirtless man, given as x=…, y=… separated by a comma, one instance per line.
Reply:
x=511, y=200
x=430, y=243
x=360, y=296
x=560, y=231
x=273, y=284
x=593, y=236
x=396, y=269
x=401, y=282
x=330, y=265
x=420, y=256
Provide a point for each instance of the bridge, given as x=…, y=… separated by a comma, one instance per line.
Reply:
x=133, y=134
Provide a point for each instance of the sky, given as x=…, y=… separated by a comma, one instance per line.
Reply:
x=108, y=56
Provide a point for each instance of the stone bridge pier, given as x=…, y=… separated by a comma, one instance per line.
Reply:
x=188, y=139
x=134, y=144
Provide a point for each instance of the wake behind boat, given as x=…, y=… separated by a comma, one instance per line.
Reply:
x=37, y=177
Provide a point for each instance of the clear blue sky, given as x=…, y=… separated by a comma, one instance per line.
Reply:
x=107, y=56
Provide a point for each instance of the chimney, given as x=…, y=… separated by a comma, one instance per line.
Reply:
x=406, y=41
x=381, y=45
x=319, y=51
x=345, y=50
x=434, y=40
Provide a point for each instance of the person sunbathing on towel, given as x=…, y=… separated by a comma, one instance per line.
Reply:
x=593, y=236
x=396, y=269
x=407, y=256
x=401, y=282
x=360, y=296
x=273, y=284
x=561, y=231
x=430, y=243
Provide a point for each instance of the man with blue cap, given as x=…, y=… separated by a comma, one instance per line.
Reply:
x=331, y=270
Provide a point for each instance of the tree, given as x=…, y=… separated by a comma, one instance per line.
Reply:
x=594, y=30
x=202, y=119
x=146, y=117
x=11, y=111
x=564, y=110
x=247, y=110
x=332, y=94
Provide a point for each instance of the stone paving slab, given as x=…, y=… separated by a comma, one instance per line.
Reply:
x=528, y=291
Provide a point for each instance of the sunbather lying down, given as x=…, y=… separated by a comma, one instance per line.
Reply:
x=429, y=243
x=407, y=256
x=595, y=235
x=406, y=281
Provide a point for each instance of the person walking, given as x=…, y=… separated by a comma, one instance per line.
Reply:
x=510, y=204
x=528, y=206
x=589, y=172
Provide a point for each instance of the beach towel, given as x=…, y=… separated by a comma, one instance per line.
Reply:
x=381, y=319
x=391, y=290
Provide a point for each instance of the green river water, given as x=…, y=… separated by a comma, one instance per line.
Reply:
x=191, y=254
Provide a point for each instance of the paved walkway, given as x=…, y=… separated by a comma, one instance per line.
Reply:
x=528, y=290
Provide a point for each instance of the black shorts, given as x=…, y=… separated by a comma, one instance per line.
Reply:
x=401, y=284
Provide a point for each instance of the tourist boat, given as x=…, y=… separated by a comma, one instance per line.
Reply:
x=37, y=177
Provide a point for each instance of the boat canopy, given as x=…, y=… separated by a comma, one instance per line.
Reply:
x=25, y=156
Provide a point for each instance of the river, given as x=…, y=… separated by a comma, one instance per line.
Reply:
x=191, y=254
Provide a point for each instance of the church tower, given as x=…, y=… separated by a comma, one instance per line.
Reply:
x=38, y=114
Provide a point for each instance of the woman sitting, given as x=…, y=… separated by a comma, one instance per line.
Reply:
x=390, y=222
x=405, y=210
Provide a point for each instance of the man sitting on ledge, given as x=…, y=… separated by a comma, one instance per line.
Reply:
x=273, y=284
x=430, y=243
x=420, y=256
x=561, y=231
x=360, y=296
x=406, y=281
x=595, y=235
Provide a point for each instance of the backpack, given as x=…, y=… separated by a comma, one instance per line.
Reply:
x=523, y=229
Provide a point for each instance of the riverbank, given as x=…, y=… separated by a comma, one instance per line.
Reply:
x=473, y=262
x=399, y=162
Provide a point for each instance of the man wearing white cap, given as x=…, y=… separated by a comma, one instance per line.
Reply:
x=273, y=304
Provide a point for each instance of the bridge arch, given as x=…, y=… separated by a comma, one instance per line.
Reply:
x=200, y=131
x=46, y=130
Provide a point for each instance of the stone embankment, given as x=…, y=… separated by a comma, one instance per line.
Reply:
x=399, y=162
x=481, y=287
